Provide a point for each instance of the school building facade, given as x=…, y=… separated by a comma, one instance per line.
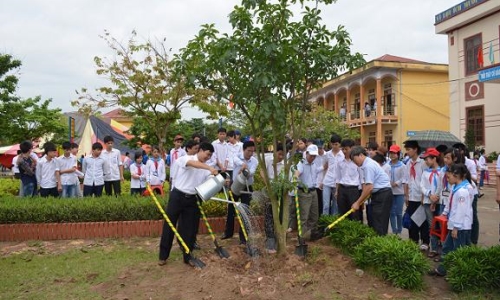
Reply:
x=403, y=96
x=473, y=30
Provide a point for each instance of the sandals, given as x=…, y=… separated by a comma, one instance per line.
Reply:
x=435, y=272
x=432, y=254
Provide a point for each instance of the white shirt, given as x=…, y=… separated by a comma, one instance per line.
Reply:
x=189, y=177
x=175, y=154
x=233, y=150
x=414, y=190
x=308, y=173
x=220, y=153
x=270, y=168
x=114, y=161
x=46, y=173
x=65, y=163
x=398, y=174
x=483, y=166
x=251, y=163
x=330, y=178
x=374, y=174
x=348, y=173
x=155, y=175
x=137, y=183
x=15, y=167
x=471, y=166
x=460, y=212
x=431, y=184
x=320, y=162
x=498, y=163
x=94, y=168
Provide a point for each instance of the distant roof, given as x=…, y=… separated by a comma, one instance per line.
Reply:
x=393, y=58
x=115, y=113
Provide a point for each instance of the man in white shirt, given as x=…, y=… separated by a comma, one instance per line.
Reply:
x=182, y=205
x=483, y=167
x=220, y=153
x=95, y=169
x=329, y=180
x=175, y=153
x=348, y=183
x=16, y=172
x=46, y=175
x=113, y=179
x=66, y=167
x=234, y=148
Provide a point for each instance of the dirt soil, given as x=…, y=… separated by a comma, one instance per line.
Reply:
x=325, y=274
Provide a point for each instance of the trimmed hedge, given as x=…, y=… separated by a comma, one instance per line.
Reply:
x=397, y=261
x=474, y=269
x=57, y=210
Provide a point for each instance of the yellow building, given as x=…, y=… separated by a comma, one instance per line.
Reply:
x=403, y=96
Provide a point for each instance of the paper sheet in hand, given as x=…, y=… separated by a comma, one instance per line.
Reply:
x=419, y=216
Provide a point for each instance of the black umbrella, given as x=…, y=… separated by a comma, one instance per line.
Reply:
x=434, y=138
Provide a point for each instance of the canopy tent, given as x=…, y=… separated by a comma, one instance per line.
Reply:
x=434, y=138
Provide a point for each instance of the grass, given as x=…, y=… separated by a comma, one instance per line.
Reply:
x=70, y=275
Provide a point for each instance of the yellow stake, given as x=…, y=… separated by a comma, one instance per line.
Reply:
x=238, y=216
x=186, y=248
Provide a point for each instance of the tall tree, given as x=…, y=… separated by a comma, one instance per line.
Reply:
x=144, y=81
x=22, y=119
x=270, y=62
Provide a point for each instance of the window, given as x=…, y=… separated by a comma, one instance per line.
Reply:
x=472, y=47
x=475, y=121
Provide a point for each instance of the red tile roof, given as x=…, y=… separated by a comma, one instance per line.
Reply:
x=394, y=58
x=115, y=113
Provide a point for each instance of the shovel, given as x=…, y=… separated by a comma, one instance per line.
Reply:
x=252, y=251
x=218, y=249
x=193, y=261
x=342, y=217
x=301, y=248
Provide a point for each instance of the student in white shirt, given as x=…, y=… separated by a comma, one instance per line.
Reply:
x=176, y=153
x=483, y=167
x=399, y=178
x=95, y=168
x=155, y=168
x=233, y=150
x=138, y=175
x=320, y=162
x=113, y=179
x=66, y=167
x=46, y=174
x=458, y=212
x=330, y=179
x=78, y=173
x=16, y=173
x=220, y=147
x=348, y=183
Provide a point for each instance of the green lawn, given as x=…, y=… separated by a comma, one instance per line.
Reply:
x=69, y=275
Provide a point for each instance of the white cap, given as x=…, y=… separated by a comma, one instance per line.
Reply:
x=312, y=149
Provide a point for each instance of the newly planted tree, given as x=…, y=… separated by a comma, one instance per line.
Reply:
x=268, y=65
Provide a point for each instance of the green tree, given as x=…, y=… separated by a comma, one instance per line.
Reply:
x=144, y=81
x=470, y=138
x=22, y=119
x=270, y=62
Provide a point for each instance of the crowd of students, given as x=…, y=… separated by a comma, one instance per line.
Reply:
x=439, y=181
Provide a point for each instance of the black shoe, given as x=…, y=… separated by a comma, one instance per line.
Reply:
x=480, y=195
x=196, y=246
x=243, y=242
x=225, y=237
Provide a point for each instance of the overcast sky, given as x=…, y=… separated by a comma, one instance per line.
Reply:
x=56, y=40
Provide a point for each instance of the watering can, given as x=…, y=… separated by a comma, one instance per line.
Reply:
x=240, y=183
x=210, y=187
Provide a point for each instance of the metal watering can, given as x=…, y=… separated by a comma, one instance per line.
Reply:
x=240, y=183
x=210, y=187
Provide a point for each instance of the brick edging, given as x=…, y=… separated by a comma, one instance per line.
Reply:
x=88, y=230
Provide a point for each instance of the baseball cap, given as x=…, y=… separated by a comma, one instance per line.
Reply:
x=312, y=149
x=430, y=152
x=395, y=148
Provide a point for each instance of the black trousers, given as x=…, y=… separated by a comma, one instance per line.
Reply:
x=243, y=198
x=184, y=207
x=417, y=233
x=320, y=201
x=89, y=190
x=347, y=196
x=381, y=205
x=49, y=192
x=112, y=185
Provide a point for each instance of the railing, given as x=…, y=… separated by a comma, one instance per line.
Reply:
x=355, y=115
x=389, y=111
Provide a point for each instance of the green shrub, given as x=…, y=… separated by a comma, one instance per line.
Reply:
x=474, y=269
x=397, y=261
x=347, y=234
x=492, y=156
x=9, y=186
x=124, y=208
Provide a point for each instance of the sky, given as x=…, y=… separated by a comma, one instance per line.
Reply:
x=56, y=40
